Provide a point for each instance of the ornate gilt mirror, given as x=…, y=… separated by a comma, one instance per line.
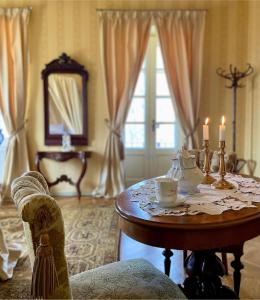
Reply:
x=65, y=101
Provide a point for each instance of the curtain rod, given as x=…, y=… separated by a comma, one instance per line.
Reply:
x=149, y=10
x=28, y=7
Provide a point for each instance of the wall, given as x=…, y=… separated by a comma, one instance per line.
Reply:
x=72, y=27
x=252, y=104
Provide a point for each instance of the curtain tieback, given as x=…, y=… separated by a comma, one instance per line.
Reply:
x=20, y=128
x=112, y=129
x=191, y=133
x=116, y=132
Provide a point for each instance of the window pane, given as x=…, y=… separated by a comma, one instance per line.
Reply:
x=159, y=59
x=137, y=110
x=161, y=84
x=3, y=147
x=134, y=136
x=144, y=64
x=164, y=110
x=140, y=85
x=2, y=126
x=165, y=136
x=153, y=31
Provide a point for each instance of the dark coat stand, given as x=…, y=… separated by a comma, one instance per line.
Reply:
x=235, y=76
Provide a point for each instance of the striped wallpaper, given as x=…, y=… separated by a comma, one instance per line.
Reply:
x=231, y=37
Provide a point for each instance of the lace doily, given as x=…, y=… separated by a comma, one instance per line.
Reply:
x=208, y=200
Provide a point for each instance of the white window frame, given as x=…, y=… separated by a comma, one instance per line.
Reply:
x=150, y=95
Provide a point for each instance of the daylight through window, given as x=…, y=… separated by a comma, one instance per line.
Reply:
x=151, y=105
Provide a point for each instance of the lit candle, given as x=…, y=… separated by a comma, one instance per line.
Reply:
x=206, y=130
x=222, y=129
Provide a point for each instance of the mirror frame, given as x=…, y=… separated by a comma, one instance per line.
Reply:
x=64, y=64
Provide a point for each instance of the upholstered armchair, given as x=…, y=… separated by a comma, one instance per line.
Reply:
x=44, y=231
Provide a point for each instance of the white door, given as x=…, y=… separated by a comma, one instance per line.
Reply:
x=151, y=132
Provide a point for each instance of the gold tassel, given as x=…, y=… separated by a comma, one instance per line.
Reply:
x=44, y=277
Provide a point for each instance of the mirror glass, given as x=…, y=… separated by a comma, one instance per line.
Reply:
x=65, y=104
x=65, y=101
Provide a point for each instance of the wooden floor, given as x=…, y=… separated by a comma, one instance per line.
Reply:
x=250, y=283
x=130, y=248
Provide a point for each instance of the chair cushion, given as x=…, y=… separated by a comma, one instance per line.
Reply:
x=132, y=279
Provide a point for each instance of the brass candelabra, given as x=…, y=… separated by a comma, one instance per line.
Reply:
x=207, y=179
x=222, y=183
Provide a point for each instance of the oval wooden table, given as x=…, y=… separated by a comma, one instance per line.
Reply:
x=203, y=234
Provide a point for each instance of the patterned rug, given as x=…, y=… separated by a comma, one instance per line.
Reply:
x=92, y=240
x=92, y=236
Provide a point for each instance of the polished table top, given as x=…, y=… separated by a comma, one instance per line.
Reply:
x=197, y=232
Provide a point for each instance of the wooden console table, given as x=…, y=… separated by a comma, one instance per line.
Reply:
x=61, y=157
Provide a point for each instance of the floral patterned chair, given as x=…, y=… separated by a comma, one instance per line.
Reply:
x=44, y=231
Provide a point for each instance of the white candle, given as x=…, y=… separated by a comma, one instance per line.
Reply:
x=222, y=129
x=206, y=130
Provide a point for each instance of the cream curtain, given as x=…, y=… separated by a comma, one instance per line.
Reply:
x=66, y=102
x=8, y=257
x=124, y=36
x=13, y=80
x=181, y=35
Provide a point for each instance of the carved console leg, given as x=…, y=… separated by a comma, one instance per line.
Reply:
x=204, y=270
x=78, y=190
x=237, y=266
x=83, y=171
x=167, y=253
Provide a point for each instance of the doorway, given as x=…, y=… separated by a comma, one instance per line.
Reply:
x=151, y=132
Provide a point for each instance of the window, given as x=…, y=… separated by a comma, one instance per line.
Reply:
x=2, y=148
x=165, y=117
x=151, y=105
x=135, y=124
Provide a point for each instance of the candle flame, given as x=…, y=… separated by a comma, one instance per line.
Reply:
x=207, y=121
x=223, y=120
